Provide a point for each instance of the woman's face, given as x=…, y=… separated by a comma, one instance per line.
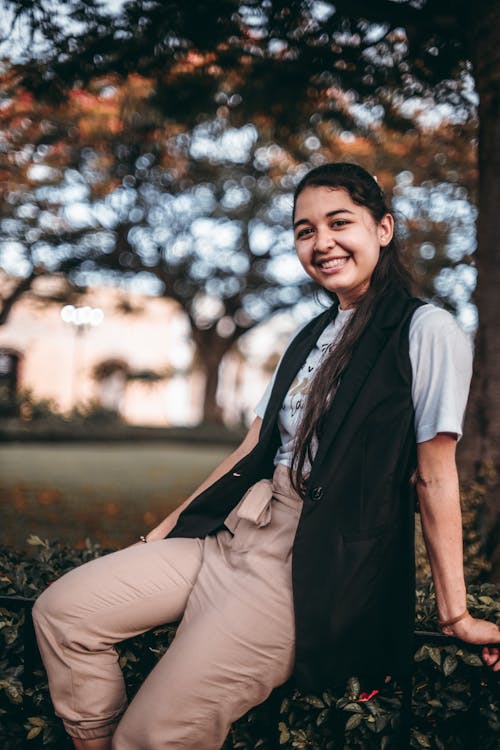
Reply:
x=338, y=242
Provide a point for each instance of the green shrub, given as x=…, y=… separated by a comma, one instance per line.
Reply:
x=353, y=716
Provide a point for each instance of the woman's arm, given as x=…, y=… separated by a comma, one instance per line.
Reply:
x=249, y=442
x=439, y=499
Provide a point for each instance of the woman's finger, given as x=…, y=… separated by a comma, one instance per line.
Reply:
x=491, y=657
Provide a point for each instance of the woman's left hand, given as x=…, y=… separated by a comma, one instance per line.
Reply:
x=472, y=630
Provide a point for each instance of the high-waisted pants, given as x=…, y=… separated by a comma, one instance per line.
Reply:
x=234, y=644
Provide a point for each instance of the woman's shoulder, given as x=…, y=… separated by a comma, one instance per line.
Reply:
x=429, y=320
x=435, y=336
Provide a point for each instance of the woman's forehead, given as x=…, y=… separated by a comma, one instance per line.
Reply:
x=322, y=199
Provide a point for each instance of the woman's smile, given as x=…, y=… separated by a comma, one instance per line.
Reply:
x=333, y=265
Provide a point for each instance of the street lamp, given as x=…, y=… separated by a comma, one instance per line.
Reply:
x=80, y=318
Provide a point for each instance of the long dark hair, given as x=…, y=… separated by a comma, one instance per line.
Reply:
x=364, y=191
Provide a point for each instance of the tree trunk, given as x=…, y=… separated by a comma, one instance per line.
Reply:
x=210, y=348
x=480, y=451
x=22, y=286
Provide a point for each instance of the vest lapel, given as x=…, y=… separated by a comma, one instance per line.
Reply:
x=291, y=363
x=386, y=317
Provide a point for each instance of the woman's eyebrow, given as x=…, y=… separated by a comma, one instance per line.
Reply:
x=328, y=215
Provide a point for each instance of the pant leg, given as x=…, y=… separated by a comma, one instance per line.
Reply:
x=236, y=642
x=80, y=617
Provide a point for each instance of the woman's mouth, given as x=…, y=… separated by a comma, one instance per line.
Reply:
x=333, y=264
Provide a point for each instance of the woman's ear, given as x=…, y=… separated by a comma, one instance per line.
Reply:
x=385, y=230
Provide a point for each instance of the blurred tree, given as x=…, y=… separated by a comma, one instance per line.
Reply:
x=100, y=188
x=210, y=232
x=36, y=152
x=200, y=217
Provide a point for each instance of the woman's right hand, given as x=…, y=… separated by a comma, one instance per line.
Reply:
x=163, y=528
x=248, y=443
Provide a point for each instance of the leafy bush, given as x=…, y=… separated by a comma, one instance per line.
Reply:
x=46, y=411
x=448, y=680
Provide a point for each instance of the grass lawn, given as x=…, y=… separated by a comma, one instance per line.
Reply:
x=110, y=492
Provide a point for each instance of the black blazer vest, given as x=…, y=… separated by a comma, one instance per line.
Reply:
x=353, y=554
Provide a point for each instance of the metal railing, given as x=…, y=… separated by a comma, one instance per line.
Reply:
x=421, y=637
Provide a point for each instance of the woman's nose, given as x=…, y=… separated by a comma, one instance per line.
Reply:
x=324, y=241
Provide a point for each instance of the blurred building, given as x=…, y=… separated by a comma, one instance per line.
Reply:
x=137, y=361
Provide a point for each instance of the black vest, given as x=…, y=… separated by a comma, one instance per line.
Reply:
x=353, y=554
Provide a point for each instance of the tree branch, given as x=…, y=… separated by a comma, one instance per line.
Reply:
x=23, y=286
x=435, y=16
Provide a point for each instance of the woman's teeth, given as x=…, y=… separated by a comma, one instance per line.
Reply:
x=334, y=262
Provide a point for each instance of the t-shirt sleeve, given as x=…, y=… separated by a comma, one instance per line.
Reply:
x=441, y=359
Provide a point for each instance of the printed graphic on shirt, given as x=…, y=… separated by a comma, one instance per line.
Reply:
x=295, y=399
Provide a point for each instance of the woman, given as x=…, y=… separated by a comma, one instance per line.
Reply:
x=295, y=556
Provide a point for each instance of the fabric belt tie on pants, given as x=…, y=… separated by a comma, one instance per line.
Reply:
x=255, y=506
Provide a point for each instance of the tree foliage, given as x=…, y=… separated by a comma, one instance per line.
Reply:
x=100, y=187
x=202, y=53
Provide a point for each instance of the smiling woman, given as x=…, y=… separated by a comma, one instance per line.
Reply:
x=295, y=556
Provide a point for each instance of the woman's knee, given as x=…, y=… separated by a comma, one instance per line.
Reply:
x=53, y=603
x=42, y=608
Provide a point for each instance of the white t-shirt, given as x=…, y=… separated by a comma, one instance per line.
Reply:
x=441, y=362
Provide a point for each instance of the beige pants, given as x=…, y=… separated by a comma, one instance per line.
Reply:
x=235, y=642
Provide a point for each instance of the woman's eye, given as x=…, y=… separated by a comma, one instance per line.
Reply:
x=304, y=232
x=339, y=223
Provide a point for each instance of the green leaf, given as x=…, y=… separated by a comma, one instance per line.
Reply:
x=434, y=702
x=284, y=733
x=422, y=739
x=35, y=541
x=37, y=721
x=353, y=708
x=449, y=665
x=456, y=704
x=353, y=722
x=353, y=687
x=322, y=716
x=313, y=700
x=34, y=732
x=473, y=660
x=435, y=655
x=13, y=693
x=285, y=706
x=487, y=600
x=422, y=653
